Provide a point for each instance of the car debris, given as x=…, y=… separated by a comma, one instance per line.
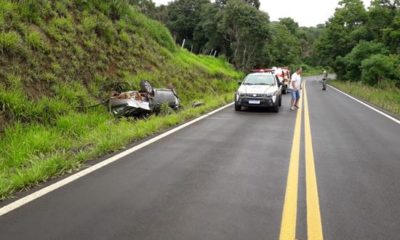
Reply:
x=146, y=101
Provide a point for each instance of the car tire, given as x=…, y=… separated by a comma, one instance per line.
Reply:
x=276, y=107
x=146, y=87
x=280, y=101
x=238, y=107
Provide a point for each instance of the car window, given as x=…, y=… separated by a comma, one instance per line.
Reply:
x=259, y=79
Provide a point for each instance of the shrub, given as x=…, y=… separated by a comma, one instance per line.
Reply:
x=352, y=61
x=380, y=67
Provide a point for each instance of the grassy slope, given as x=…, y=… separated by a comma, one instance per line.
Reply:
x=385, y=96
x=56, y=57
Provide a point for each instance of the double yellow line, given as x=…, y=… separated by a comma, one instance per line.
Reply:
x=289, y=215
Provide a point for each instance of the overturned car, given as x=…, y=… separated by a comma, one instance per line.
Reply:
x=143, y=102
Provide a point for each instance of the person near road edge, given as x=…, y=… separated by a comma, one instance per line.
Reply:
x=296, y=86
x=324, y=79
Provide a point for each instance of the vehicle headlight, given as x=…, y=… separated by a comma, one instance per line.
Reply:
x=238, y=95
x=274, y=98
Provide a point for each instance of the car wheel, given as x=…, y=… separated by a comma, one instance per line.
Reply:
x=276, y=107
x=280, y=101
x=146, y=87
x=238, y=107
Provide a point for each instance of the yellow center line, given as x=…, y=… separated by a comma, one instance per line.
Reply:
x=314, y=225
x=289, y=214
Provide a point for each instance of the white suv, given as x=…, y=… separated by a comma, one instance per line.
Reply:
x=261, y=89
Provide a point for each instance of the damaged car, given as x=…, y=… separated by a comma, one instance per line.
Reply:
x=143, y=102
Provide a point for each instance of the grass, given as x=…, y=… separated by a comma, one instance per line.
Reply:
x=33, y=153
x=385, y=96
x=58, y=57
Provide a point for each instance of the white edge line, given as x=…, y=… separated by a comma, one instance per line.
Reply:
x=368, y=106
x=29, y=198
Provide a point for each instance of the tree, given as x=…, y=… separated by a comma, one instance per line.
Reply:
x=206, y=37
x=352, y=61
x=147, y=7
x=290, y=24
x=380, y=67
x=384, y=23
x=253, y=3
x=284, y=48
x=183, y=17
x=343, y=31
x=247, y=31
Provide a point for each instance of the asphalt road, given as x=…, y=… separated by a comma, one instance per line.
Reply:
x=226, y=177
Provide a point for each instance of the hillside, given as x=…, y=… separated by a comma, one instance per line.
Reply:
x=58, y=58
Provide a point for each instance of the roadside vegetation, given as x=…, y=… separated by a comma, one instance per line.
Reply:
x=363, y=48
x=235, y=29
x=385, y=95
x=59, y=61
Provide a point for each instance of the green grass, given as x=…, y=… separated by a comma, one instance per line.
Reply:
x=33, y=153
x=58, y=57
x=385, y=96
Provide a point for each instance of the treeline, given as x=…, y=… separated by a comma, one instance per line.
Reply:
x=362, y=44
x=236, y=30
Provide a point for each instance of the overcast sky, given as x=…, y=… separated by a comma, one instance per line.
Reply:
x=306, y=12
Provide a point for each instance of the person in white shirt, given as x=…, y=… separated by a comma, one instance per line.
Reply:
x=296, y=86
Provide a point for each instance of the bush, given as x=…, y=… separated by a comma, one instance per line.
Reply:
x=351, y=63
x=380, y=67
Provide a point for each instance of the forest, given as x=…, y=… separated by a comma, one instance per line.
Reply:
x=357, y=43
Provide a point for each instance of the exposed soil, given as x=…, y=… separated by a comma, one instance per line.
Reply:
x=37, y=89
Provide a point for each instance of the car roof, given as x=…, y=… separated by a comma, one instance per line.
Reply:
x=260, y=73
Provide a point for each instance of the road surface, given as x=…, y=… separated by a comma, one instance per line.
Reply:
x=238, y=175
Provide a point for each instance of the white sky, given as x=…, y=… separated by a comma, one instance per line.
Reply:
x=307, y=13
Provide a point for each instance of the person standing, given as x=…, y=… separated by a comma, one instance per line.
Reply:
x=296, y=86
x=324, y=79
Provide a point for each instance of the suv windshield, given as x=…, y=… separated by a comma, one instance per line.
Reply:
x=259, y=79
